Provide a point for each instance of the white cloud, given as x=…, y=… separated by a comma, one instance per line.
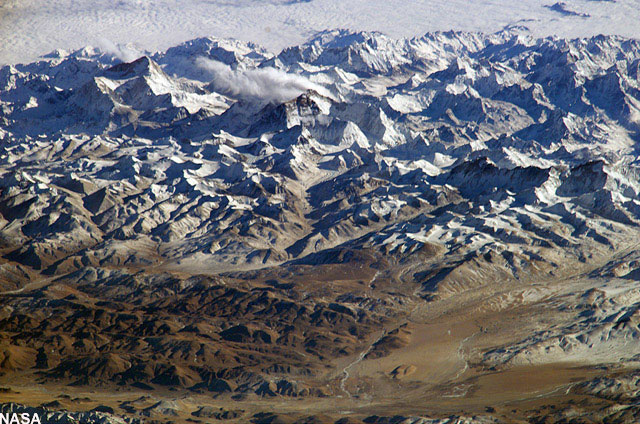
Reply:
x=269, y=85
x=122, y=52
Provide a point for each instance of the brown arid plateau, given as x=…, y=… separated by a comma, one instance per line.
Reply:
x=360, y=229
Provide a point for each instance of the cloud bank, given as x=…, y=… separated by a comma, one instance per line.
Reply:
x=265, y=85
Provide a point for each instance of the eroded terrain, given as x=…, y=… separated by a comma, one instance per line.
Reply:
x=441, y=229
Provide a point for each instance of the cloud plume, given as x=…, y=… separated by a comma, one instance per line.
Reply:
x=265, y=85
x=119, y=51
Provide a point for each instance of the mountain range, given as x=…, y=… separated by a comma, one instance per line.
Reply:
x=218, y=218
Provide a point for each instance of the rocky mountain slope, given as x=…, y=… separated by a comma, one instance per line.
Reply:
x=221, y=219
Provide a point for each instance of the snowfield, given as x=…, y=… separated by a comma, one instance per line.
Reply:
x=30, y=28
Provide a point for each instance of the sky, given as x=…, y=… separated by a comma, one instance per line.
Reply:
x=31, y=28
